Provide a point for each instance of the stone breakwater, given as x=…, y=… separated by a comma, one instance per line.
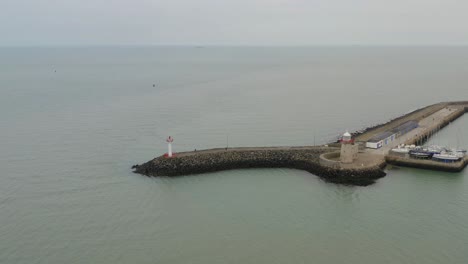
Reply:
x=302, y=158
x=364, y=170
x=427, y=164
x=416, y=115
x=422, y=138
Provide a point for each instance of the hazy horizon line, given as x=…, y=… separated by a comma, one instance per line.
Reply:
x=228, y=45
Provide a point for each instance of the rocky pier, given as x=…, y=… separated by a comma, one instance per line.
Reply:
x=302, y=158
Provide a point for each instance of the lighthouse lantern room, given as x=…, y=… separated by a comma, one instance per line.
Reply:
x=346, y=138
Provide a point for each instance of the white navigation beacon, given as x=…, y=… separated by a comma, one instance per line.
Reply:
x=169, y=141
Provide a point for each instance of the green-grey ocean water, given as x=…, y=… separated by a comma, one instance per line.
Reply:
x=74, y=120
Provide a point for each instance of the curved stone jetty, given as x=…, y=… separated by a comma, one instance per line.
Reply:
x=302, y=158
x=362, y=169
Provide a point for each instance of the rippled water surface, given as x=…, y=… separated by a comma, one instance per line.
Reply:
x=74, y=120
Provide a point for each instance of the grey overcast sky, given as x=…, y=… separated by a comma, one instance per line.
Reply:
x=234, y=22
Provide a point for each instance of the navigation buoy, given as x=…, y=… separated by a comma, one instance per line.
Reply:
x=169, y=141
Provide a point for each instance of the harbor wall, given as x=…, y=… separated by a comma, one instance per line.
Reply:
x=427, y=164
x=331, y=159
x=375, y=129
x=302, y=159
x=366, y=133
x=422, y=138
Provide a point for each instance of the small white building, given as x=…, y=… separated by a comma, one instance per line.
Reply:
x=387, y=137
x=381, y=140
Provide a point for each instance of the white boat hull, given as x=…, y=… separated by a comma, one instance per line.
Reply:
x=401, y=150
x=444, y=157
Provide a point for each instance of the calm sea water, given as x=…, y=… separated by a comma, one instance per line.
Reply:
x=73, y=121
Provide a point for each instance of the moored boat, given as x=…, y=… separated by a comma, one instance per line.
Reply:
x=459, y=150
x=401, y=150
x=405, y=149
x=420, y=154
x=446, y=156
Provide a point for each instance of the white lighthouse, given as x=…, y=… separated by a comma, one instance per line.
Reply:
x=169, y=141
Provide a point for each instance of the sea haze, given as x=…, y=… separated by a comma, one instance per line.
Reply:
x=74, y=120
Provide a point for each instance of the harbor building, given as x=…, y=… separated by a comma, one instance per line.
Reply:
x=387, y=137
